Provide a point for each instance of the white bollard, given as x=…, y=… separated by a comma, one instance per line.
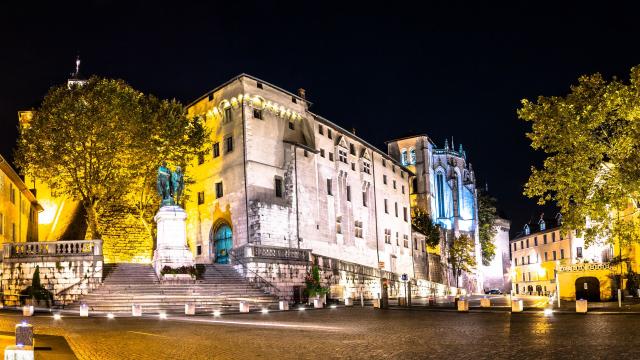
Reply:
x=284, y=305
x=244, y=307
x=516, y=305
x=581, y=306
x=485, y=302
x=317, y=303
x=84, y=310
x=16, y=352
x=190, y=308
x=27, y=310
x=136, y=310
x=463, y=305
x=348, y=301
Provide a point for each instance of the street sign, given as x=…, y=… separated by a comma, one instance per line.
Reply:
x=404, y=277
x=380, y=264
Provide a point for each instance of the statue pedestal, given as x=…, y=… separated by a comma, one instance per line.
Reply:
x=171, y=249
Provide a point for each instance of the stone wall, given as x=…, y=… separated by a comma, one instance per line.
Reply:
x=66, y=278
x=125, y=239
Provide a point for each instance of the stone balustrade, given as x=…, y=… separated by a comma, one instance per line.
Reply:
x=271, y=252
x=584, y=267
x=21, y=250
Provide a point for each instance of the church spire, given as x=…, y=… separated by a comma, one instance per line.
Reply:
x=76, y=78
x=446, y=144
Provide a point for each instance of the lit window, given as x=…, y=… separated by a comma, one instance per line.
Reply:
x=412, y=156
x=440, y=193
x=219, y=190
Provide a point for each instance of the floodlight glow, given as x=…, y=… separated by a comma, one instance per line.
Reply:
x=265, y=311
x=216, y=313
x=57, y=316
x=162, y=316
x=301, y=309
x=548, y=312
x=110, y=316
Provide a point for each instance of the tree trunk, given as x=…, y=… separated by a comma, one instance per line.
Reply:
x=92, y=220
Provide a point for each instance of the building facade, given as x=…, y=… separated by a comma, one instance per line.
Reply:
x=18, y=207
x=278, y=175
x=496, y=275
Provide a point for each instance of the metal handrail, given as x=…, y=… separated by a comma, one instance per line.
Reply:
x=68, y=288
x=262, y=280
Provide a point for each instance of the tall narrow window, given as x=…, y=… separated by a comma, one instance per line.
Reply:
x=394, y=184
x=384, y=179
x=405, y=239
x=352, y=149
x=579, y=252
x=561, y=253
x=227, y=114
x=412, y=156
x=1, y=224
x=404, y=213
x=554, y=255
x=216, y=150
x=200, y=197
x=219, y=190
x=329, y=134
x=364, y=198
x=339, y=225
x=330, y=156
x=278, y=185
x=358, y=229
x=322, y=152
x=403, y=189
x=13, y=232
x=403, y=157
x=440, y=190
x=12, y=194
x=546, y=256
x=292, y=125
x=348, y=193
x=329, y=190
x=386, y=206
x=320, y=129
x=257, y=114
x=229, y=144
x=396, y=207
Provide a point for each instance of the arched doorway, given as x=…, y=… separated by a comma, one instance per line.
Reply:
x=588, y=288
x=221, y=242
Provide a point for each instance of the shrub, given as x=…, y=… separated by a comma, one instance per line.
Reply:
x=191, y=270
x=312, y=280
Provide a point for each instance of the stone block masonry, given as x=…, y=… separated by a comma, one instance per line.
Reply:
x=126, y=239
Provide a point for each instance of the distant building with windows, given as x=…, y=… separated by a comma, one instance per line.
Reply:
x=18, y=207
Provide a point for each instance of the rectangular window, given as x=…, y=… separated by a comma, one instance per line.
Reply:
x=13, y=232
x=364, y=198
x=320, y=130
x=366, y=168
x=329, y=189
x=561, y=236
x=386, y=206
x=387, y=236
x=405, y=240
x=227, y=115
x=527, y=242
x=259, y=85
x=339, y=225
x=544, y=239
x=358, y=229
x=554, y=255
x=384, y=179
x=199, y=250
x=514, y=246
x=403, y=189
x=422, y=243
x=1, y=224
x=535, y=241
x=216, y=150
x=330, y=156
x=394, y=184
x=528, y=259
x=352, y=149
x=353, y=166
x=553, y=236
x=293, y=100
x=561, y=253
x=397, y=239
x=200, y=158
x=200, y=197
x=229, y=144
x=12, y=194
x=342, y=156
x=219, y=190
x=322, y=152
x=384, y=163
x=278, y=185
x=306, y=153
x=257, y=114
x=404, y=213
x=521, y=244
x=396, y=206
x=522, y=259
x=329, y=134
x=579, y=252
x=348, y=193
x=291, y=125
x=402, y=174
x=546, y=256
x=516, y=261
x=393, y=169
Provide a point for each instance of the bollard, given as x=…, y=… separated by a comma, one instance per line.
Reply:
x=485, y=302
x=432, y=301
x=19, y=352
x=516, y=305
x=24, y=334
x=317, y=303
x=402, y=301
x=136, y=310
x=581, y=306
x=27, y=310
x=376, y=303
x=283, y=305
x=190, y=308
x=244, y=307
x=348, y=301
x=84, y=310
x=463, y=305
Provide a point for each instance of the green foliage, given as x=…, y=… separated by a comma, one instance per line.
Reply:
x=99, y=143
x=591, y=138
x=461, y=255
x=313, y=285
x=633, y=282
x=422, y=222
x=487, y=216
x=191, y=270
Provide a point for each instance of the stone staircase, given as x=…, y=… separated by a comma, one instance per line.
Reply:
x=220, y=288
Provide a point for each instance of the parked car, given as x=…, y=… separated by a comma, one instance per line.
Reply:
x=493, y=292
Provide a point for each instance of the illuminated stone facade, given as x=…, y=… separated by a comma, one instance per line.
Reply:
x=279, y=175
x=18, y=207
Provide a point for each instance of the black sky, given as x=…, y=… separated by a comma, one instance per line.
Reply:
x=386, y=76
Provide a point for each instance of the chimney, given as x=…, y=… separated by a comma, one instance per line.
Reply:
x=302, y=93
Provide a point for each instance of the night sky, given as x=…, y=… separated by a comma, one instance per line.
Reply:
x=384, y=76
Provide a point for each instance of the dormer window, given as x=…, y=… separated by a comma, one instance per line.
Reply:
x=412, y=156
x=403, y=157
x=342, y=155
x=352, y=149
x=543, y=226
x=526, y=229
x=366, y=168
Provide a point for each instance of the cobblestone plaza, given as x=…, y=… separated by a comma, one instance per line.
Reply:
x=344, y=333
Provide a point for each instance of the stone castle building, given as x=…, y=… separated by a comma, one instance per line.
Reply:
x=281, y=177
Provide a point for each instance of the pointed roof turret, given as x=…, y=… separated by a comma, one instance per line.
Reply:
x=76, y=78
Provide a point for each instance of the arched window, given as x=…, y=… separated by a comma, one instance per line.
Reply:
x=412, y=156
x=440, y=194
x=456, y=196
x=403, y=157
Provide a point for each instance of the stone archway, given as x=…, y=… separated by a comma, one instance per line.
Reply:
x=220, y=242
x=588, y=288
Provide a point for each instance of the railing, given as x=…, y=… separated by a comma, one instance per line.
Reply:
x=584, y=267
x=52, y=248
x=85, y=279
x=258, y=280
x=271, y=252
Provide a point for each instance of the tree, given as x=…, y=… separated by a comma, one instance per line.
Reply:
x=591, y=138
x=461, y=256
x=487, y=216
x=99, y=142
x=422, y=222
